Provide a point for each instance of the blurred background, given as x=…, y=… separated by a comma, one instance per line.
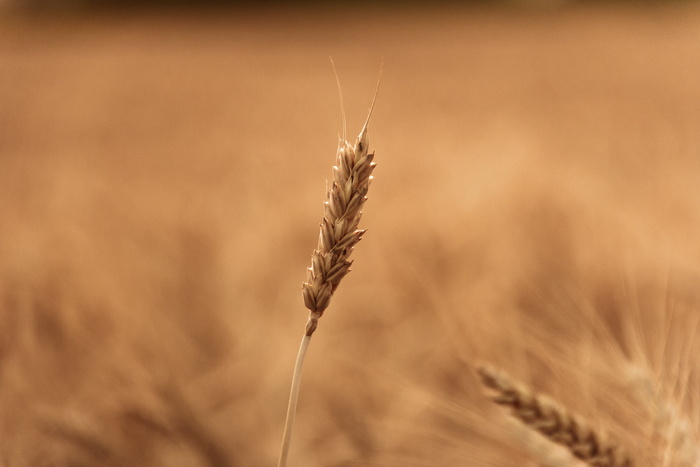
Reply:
x=82, y=4
x=63, y=5
x=162, y=173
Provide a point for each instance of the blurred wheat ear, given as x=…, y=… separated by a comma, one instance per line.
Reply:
x=346, y=195
x=555, y=422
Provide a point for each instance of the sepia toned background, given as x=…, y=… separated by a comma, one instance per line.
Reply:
x=535, y=206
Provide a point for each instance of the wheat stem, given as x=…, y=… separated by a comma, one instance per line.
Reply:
x=294, y=397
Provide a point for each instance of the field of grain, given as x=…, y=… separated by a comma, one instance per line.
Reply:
x=535, y=207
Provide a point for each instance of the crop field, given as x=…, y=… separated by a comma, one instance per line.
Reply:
x=535, y=209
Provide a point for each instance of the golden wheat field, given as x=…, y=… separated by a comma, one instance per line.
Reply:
x=535, y=208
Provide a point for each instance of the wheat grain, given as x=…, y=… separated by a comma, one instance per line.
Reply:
x=555, y=422
x=346, y=195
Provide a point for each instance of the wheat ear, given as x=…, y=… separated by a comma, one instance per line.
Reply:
x=554, y=422
x=346, y=195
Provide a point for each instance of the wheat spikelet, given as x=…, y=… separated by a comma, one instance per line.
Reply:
x=346, y=195
x=555, y=422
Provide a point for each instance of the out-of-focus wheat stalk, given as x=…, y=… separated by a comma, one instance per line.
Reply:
x=346, y=195
x=555, y=422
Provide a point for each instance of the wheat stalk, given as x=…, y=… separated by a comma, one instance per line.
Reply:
x=346, y=195
x=555, y=422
